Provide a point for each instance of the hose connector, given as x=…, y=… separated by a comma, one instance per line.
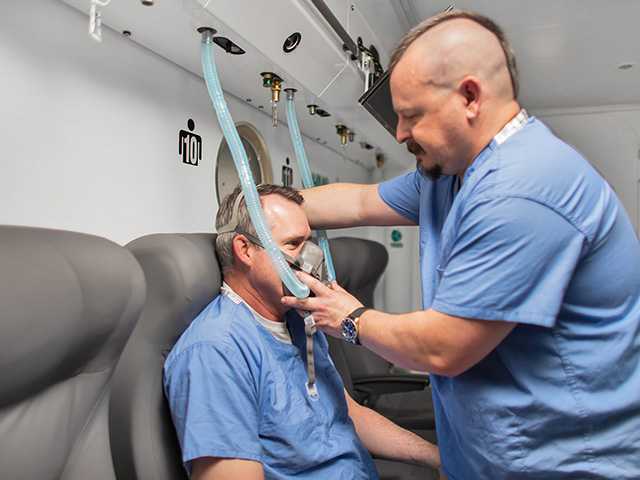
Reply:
x=207, y=34
x=274, y=82
x=291, y=93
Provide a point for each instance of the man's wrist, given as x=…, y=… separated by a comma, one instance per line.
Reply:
x=361, y=325
x=432, y=457
x=351, y=325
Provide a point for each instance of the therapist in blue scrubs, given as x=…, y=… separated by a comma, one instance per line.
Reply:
x=530, y=270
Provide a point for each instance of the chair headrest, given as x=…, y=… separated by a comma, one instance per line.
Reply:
x=69, y=303
x=183, y=276
x=359, y=263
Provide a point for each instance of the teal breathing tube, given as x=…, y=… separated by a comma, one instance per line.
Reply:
x=252, y=199
x=307, y=179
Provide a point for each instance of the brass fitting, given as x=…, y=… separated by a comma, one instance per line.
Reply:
x=343, y=133
x=274, y=82
x=276, y=88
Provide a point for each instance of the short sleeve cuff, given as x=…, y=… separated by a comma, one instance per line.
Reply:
x=192, y=454
x=516, y=316
x=386, y=192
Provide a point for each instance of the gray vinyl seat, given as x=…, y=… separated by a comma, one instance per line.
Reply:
x=404, y=398
x=183, y=276
x=69, y=303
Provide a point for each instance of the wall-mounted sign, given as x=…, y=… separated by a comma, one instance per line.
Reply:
x=287, y=174
x=190, y=145
x=396, y=239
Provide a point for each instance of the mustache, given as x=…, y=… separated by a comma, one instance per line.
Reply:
x=414, y=148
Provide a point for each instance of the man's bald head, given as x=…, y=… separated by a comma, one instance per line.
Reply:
x=447, y=47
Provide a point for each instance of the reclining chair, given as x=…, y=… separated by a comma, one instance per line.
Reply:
x=69, y=303
x=183, y=276
x=401, y=396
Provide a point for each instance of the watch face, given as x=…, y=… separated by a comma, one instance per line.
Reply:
x=349, y=330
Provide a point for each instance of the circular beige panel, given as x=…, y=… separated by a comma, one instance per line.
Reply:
x=259, y=161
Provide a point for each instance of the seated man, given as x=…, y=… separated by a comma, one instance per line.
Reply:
x=236, y=379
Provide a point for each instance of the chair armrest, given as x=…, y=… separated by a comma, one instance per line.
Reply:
x=395, y=370
x=381, y=384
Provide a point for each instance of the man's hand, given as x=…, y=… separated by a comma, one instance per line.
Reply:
x=329, y=307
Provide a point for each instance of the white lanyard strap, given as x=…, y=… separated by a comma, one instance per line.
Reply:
x=514, y=125
x=310, y=330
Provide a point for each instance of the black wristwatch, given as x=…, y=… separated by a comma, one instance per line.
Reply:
x=350, y=326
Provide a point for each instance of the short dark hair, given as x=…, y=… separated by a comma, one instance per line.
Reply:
x=224, y=240
x=426, y=25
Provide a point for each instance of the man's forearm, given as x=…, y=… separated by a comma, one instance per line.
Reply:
x=407, y=340
x=431, y=341
x=333, y=206
x=343, y=205
x=385, y=439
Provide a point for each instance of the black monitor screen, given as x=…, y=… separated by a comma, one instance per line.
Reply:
x=377, y=101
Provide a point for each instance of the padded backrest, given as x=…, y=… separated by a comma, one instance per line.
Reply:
x=182, y=276
x=359, y=265
x=68, y=304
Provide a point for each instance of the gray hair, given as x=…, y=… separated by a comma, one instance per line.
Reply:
x=426, y=25
x=224, y=241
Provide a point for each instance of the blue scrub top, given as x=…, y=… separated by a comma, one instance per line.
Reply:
x=534, y=236
x=235, y=391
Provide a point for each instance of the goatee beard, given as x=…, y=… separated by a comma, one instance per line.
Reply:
x=433, y=173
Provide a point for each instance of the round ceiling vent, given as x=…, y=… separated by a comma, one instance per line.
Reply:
x=292, y=42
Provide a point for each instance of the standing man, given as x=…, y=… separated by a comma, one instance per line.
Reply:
x=530, y=270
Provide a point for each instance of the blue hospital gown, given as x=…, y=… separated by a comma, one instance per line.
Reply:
x=235, y=391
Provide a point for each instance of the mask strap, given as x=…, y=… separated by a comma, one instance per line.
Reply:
x=232, y=226
x=233, y=221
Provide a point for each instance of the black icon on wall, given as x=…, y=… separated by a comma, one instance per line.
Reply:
x=190, y=145
x=287, y=174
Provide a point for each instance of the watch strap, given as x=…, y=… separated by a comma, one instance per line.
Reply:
x=355, y=316
x=358, y=312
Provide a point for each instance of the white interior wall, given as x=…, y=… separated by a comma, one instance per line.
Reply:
x=90, y=135
x=90, y=132
x=399, y=289
x=609, y=137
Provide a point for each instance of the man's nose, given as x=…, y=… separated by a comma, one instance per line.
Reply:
x=402, y=132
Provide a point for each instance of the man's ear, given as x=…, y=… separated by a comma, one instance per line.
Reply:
x=470, y=90
x=243, y=251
